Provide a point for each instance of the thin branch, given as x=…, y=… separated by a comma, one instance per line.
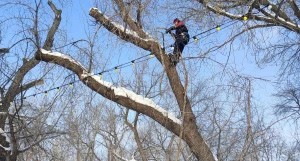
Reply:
x=129, y=20
x=56, y=22
x=30, y=85
x=40, y=140
x=136, y=134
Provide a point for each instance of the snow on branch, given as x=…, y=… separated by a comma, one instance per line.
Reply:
x=6, y=139
x=121, y=91
x=125, y=34
x=268, y=16
x=63, y=56
x=145, y=105
x=3, y=113
x=122, y=158
x=220, y=11
x=120, y=27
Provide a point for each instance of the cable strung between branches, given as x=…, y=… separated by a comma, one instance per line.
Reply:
x=138, y=60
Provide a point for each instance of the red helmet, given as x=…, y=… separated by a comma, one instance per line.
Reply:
x=176, y=20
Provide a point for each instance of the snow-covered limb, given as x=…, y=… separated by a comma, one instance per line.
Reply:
x=146, y=42
x=6, y=139
x=122, y=158
x=133, y=98
x=220, y=11
x=266, y=16
x=134, y=31
x=127, y=99
x=5, y=148
x=119, y=26
x=61, y=56
x=121, y=91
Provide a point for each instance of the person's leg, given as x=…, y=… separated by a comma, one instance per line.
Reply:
x=178, y=51
x=173, y=56
x=181, y=47
x=178, y=48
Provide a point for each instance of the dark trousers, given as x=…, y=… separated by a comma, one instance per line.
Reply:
x=179, y=46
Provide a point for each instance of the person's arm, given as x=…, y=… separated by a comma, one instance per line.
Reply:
x=170, y=29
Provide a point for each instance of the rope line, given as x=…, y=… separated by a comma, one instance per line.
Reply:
x=137, y=60
x=124, y=65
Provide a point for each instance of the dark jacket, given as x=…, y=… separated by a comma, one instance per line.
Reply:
x=180, y=31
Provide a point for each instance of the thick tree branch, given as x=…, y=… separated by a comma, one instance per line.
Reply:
x=280, y=18
x=113, y=93
x=276, y=9
x=14, y=88
x=236, y=4
x=50, y=36
x=219, y=10
x=295, y=8
x=127, y=35
x=13, y=140
x=141, y=7
x=4, y=50
x=190, y=132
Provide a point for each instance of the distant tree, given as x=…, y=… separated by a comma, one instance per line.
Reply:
x=13, y=82
x=289, y=100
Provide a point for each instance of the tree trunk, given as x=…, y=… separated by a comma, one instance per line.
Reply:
x=17, y=87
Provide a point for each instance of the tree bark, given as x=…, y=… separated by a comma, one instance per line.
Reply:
x=190, y=132
x=16, y=87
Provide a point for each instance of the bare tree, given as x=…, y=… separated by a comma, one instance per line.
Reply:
x=133, y=32
x=13, y=77
x=289, y=98
x=163, y=104
x=190, y=131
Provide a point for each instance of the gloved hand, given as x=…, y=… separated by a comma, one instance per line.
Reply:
x=169, y=29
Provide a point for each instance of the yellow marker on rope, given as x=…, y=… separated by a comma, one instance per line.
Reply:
x=218, y=28
x=195, y=39
x=116, y=69
x=100, y=75
x=245, y=18
x=151, y=55
x=132, y=63
x=71, y=85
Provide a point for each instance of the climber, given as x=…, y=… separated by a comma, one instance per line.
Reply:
x=181, y=36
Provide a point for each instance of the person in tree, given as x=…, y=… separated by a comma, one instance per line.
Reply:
x=181, y=37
